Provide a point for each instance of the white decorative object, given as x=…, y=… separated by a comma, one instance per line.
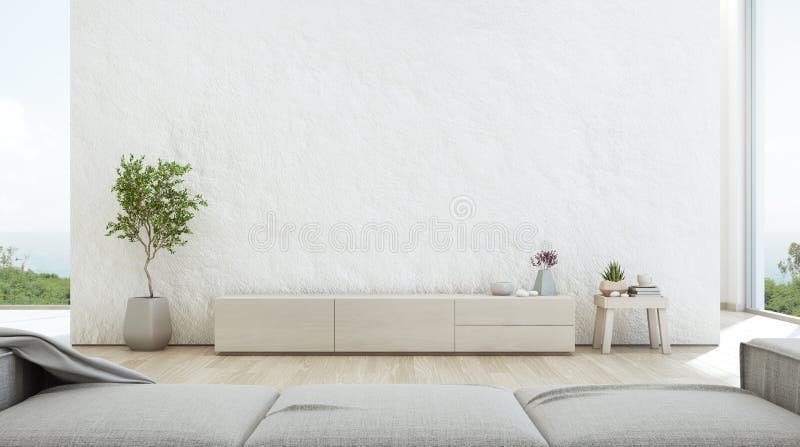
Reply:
x=625, y=295
x=614, y=293
x=502, y=288
x=644, y=279
x=522, y=292
x=533, y=293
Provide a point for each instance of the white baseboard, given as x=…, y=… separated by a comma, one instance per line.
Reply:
x=731, y=307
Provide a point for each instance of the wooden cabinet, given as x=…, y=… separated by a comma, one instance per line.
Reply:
x=394, y=323
x=251, y=324
x=536, y=324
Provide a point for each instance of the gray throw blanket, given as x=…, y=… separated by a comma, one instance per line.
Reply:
x=63, y=362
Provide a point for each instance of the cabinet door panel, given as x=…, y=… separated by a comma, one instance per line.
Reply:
x=515, y=339
x=273, y=325
x=555, y=311
x=394, y=325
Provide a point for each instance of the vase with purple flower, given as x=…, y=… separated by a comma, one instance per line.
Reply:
x=544, y=277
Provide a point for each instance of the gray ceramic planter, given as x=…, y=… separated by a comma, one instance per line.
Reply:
x=544, y=283
x=147, y=324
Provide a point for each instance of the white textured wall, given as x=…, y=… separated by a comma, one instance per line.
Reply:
x=596, y=121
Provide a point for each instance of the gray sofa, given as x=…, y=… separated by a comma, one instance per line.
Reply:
x=35, y=411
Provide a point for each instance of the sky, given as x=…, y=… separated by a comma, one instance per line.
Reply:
x=34, y=116
x=778, y=92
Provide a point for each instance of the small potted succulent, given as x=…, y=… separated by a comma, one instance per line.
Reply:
x=613, y=280
x=542, y=261
x=155, y=213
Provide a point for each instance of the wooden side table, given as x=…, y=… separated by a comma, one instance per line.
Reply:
x=656, y=307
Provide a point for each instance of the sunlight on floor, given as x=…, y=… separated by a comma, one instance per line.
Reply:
x=736, y=327
x=51, y=322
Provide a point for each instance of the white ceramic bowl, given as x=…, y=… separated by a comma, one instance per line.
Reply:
x=502, y=288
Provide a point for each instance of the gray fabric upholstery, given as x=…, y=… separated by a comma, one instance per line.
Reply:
x=658, y=415
x=19, y=379
x=396, y=415
x=138, y=415
x=63, y=362
x=770, y=368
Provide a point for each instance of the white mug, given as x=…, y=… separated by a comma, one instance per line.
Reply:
x=644, y=279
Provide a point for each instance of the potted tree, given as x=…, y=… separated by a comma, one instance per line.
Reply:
x=613, y=280
x=156, y=210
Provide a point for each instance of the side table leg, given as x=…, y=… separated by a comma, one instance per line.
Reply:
x=599, y=321
x=608, y=328
x=652, y=327
x=662, y=325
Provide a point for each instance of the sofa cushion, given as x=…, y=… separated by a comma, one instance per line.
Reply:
x=136, y=415
x=770, y=368
x=396, y=415
x=19, y=379
x=663, y=415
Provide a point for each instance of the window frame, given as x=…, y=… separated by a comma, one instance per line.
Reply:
x=754, y=164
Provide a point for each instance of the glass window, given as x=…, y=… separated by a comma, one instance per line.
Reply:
x=775, y=118
x=34, y=152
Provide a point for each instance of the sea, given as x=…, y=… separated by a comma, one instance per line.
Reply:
x=48, y=252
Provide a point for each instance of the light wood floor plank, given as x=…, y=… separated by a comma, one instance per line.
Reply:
x=625, y=364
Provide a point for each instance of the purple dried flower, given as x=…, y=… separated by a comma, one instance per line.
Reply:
x=545, y=259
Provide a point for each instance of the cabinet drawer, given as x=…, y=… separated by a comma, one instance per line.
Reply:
x=555, y=311
x=274, y=325
x=394, y=325
x=515, y=339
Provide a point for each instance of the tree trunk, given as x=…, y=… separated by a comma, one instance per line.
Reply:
x=149, y=279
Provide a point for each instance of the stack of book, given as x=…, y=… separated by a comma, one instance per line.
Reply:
x=644, y=291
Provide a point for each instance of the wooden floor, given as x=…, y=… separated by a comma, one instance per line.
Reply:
x=625, y=364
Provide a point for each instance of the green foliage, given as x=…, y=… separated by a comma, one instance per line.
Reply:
x=156, y=208
x=791, y=264
x=614, y=272
x=7, y=256
x=19, y=286
x=783, y=298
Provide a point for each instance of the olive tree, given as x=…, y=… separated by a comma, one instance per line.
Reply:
x=156, y=208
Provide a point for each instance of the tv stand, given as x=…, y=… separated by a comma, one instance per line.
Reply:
x=393, y=323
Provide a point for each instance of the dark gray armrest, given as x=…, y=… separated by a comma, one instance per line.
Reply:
x=770, y=368
x=19, y=379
